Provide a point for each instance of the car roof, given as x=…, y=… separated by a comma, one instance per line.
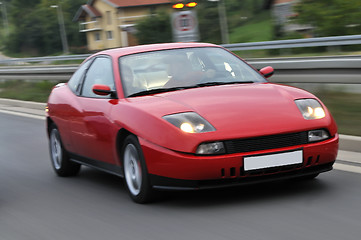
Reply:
x=118, y=52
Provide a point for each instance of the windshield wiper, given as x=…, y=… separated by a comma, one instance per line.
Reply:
x=162, y=90
x=219, y=83
x=154, y=91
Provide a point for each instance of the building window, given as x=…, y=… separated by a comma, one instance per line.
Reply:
x=97, y=36
x=109, y=18
x=109, y=35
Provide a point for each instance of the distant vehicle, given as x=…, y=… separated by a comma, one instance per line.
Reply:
x=185, y=116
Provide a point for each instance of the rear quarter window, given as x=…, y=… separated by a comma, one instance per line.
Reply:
x=75, y=81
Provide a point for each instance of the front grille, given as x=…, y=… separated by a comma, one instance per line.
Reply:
x=266, y=142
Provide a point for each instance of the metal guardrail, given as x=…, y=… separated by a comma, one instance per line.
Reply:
x=324, y=62
x=38, y=73
x=337, y=69
x=279, y=44
x=47, y=59
x=296, y=43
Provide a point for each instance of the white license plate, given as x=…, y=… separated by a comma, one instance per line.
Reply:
x=273, y=160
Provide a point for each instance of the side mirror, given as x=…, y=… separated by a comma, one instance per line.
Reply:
x=267, y=71
x=102, y=90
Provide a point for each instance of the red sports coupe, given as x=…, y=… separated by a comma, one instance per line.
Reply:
x=185, y=116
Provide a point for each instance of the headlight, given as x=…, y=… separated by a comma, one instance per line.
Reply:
x=189, y=122
x=211, y=148
x=317, y=135
x=310, y=108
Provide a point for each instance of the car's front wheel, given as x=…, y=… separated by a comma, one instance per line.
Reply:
x=60, y=160
x=135, y=171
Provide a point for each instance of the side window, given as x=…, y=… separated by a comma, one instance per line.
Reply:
x=75, y=81
x=100, y=72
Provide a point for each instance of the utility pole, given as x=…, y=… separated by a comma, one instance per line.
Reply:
x=5, y=18
x=64, y=40
x=222, y=20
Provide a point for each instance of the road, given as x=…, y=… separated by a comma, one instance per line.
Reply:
x=37, y=205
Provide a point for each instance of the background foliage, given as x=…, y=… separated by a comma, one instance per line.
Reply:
x=330, y=17
x=36, y=28
x=156, y=29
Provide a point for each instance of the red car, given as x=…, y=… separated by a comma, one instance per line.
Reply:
x=185, y=116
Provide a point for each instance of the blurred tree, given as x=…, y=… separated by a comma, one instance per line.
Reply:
x=330, y=17
x=208, y=22
x=154, y=29
x=36, y=28
x=22, y=16
x=267, y=4
x=241, y=12
x=238, y=13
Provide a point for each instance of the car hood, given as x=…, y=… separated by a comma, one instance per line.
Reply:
x=236, y=111
x=245, y=109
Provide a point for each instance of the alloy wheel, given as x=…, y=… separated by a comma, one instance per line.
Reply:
x=132, y=169
x=56, y=149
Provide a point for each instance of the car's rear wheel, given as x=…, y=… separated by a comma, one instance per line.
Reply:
x=135, y=171
x=60, y=160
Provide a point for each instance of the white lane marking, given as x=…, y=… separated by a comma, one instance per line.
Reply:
x=348, y=156
x=347, y=168
x=23, y=114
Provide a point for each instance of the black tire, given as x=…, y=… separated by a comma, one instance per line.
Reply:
x=135, y=172
x=60, y=160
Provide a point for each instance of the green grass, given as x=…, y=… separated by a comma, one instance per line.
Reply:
x=256, y=30
x=260, y=28
x=287, y=53
x=27, y=91
x=63, y=62
x=345, y=107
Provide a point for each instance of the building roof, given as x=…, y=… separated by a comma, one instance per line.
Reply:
x=86, y=10
x=93, y=12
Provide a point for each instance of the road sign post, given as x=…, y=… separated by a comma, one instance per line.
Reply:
x=185, y=26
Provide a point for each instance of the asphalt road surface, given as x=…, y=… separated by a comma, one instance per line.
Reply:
x=35, y=204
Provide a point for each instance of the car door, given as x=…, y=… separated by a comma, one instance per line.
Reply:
x=64, y=106
x=93, y=132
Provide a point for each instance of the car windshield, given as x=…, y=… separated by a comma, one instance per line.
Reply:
x=176, y=69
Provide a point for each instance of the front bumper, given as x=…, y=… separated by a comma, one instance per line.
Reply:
x=163, y=183
x=174, y=170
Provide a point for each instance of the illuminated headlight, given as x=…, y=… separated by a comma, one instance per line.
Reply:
x=317, y=135
x=190, y=122
x=310, y=108
x=211, y=148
